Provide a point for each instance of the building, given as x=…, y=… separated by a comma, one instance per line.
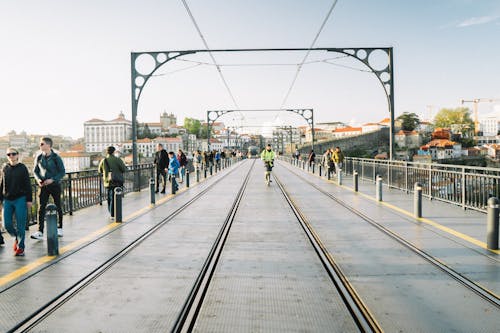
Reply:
x=408, y=139
x=440, y=149
x=370, y=127
x=147, y=147
x=490, y=124
x=167, y=120
x=75, y=161
x=99, y=134
x=347, y=131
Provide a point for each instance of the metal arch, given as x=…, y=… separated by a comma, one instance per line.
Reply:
x=304, y=113
x=138, y=80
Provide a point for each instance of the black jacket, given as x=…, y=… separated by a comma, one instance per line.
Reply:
x=161, y=159
x=15, y=182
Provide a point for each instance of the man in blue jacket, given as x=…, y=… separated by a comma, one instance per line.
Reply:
x=173, y=169
x=48, y=171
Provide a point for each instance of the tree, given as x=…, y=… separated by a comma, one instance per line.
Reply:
x=409, y=121
x=459, y=118
x=192, y=126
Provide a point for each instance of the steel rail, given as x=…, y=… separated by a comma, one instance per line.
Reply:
x=363, y=318
x=45, y=310
x=476, y=288
x=187, y=317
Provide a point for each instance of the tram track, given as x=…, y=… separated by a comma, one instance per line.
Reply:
x=362, y=317
x=360, y=313
x=37, y=316
x=462, y=279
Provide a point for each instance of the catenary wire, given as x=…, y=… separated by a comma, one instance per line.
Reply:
x=299, y=67
x=210, y=53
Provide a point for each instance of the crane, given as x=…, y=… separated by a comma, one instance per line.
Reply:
x=475, y=102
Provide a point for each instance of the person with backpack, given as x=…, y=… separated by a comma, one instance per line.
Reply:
x=112, y=169
x=311, y=159
x=161, y=163
x=16, y=198
x=183, y=162
x=48, y=171
x=173, y=169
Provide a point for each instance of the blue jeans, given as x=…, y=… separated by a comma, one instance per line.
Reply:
x=18, y=207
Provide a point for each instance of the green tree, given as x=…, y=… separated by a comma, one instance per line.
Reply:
x=458, y=117
x=204, y=131
x=192, y=126
x=409, y=121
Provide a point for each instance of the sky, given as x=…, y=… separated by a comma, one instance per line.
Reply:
x=65, y=62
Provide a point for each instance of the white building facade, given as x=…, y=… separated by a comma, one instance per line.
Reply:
x=99, y=134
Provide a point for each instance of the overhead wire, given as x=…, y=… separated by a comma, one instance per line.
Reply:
x=299, y=66
x=210, y=53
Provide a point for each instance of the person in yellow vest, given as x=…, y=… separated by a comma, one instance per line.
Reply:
x=338, y=159
x=267, y=156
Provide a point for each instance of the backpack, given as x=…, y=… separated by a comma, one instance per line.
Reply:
x=115, y=178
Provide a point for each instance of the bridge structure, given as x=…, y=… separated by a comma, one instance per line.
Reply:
x=313, y=251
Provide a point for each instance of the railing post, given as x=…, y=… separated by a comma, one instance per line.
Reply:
x=197, y=174
x=70, y=194
x=417, y=200
x=378, y=186
x=319, y=167
x=355, y=176
x=118, y=204
x=101, y=189
x=187, y=177
x=464, y=199
x=205, y=171
x=339, y=176
x=211, y=169
x=52, y=241
x=172, y=185
x=152, y=191
x=492, y=227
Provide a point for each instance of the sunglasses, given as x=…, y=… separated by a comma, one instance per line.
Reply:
x=11, y=154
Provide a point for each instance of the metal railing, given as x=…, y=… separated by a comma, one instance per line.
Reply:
x=85, y=188
x=466, y=186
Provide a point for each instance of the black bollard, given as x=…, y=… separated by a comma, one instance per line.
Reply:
x=417, y=200
x=197, y=175
x=187, y=178
x=492, y=228
x=118, y=204
x=152, y=190
x=355, y=175
x=52, y=241
x=378, y=184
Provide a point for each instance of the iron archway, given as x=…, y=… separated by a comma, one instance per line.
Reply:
x=138, y=80
x=307, y=114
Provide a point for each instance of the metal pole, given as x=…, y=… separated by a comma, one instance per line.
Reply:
x=492, y=228
x=356, y=176
x=52, y=241
x=152, y=190
x=118, y=204
x=187, y=177
x=378, y=188
x=417, y=200
x=339, y=176
x=197, y=174
x=319, y=170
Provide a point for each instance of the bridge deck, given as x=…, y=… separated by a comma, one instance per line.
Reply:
x=268, y=278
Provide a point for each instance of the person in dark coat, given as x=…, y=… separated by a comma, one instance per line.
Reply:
x=16, y=198
x=161, y=163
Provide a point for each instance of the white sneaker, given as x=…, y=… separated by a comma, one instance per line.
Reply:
x=37, y=235
x=59, y=232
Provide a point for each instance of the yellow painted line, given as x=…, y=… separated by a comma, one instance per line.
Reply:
x=436, y=225
x=45, y=259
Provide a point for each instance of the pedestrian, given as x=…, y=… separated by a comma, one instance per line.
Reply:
x=296, y=154
x=161, y=163
x=48, y=171
x=338, y=159
x=311, y=158
x=112, y=169
x=173, y=169
x=197, y=160
x=16, y=198
x=182, y=159
x=327, y=162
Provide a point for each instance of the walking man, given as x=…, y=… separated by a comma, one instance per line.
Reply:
x=48, y=171
x=161, y=163
x=107, y=167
